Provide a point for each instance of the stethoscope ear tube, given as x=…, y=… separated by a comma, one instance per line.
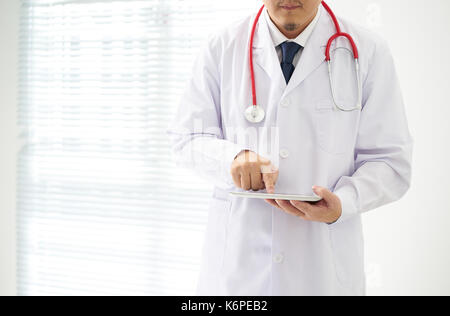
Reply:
x=358, y=105
x=338, y=34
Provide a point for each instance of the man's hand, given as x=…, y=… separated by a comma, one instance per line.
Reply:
x=253, y=172
x=328, y=210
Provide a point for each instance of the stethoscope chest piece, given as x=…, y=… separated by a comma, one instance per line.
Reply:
x=255, y=114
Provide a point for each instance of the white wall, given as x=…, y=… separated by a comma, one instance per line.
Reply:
x=8, y=99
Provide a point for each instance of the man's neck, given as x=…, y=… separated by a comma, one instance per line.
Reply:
x=300, y=27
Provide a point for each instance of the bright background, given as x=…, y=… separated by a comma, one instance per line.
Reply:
x=407, y=243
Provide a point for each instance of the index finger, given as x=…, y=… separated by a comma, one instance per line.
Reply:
x=269, y=181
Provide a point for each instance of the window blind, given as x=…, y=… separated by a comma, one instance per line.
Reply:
x=102, y=210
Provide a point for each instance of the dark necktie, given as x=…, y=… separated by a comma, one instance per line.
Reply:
x=289, y=49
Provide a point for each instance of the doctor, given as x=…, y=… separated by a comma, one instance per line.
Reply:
x=357, y=159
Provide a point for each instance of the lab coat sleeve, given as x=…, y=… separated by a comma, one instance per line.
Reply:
x=196, y=131
x=383, y=152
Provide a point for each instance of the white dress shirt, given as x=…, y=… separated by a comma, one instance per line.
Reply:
x=279, y=38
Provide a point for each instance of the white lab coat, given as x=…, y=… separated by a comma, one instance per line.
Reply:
x=364, y=157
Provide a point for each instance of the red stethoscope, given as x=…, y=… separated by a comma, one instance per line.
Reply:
x=256, y=114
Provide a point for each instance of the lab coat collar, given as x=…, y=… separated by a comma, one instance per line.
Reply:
x=265, y=54
x=313, y=55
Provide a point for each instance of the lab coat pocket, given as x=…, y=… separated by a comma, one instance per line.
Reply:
x=335, y=129
x=216, y=233
x=347, y=247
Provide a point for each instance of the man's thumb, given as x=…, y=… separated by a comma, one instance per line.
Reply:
x=323, y=193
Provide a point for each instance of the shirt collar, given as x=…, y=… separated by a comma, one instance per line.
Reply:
x=279, y=37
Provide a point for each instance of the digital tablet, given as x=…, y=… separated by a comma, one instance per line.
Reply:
x=286, y=197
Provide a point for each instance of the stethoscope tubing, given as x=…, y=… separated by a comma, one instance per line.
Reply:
x=337, y=35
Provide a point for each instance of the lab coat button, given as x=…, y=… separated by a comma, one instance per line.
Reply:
x=278, y=258
x=284, y=153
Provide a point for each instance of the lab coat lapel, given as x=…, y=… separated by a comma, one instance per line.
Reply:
x=313, y=54
x=265, y=56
